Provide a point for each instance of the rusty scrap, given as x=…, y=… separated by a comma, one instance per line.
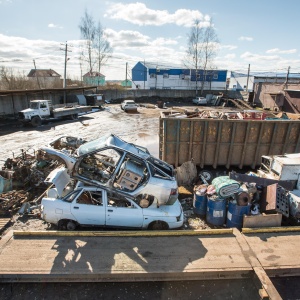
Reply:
x=12, y=200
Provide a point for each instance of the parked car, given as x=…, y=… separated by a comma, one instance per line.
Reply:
x=200, y=101
x=129, y=105
x=93, y=206
x=110, y=162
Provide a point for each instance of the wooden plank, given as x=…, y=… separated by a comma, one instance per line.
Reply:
x=140, y=233
x=267, y=284
x=268, y=198
x=263, y=220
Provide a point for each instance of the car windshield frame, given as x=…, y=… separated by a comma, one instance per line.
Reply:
x=93, y=145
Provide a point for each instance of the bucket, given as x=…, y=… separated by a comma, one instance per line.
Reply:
x=200, y=204
x=235, y=214
x=216, y=211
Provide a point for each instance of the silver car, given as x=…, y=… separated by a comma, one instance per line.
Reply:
x=111, y=163
x=129, y=105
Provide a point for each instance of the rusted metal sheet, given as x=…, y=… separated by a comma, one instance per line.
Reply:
x=221, y=142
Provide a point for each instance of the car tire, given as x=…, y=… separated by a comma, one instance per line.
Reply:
x=71, y=225
x=158, y=225
x=36, y=121
x=74, y=117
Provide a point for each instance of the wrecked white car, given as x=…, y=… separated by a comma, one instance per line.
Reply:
x=69, y=207
x=110, y=162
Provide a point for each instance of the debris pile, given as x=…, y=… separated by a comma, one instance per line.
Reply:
x=23, y=175
x=12, y=200
x=229, y=115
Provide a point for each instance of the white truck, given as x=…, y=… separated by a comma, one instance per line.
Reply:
x=44, y=110
x=200, y=101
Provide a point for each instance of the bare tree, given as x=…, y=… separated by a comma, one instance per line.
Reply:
x=88, y=30
x=202, y=49
x=11, y=81
x=97, y=48
x=102, y=46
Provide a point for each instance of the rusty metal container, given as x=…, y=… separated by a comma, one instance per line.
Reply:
x=221, y=142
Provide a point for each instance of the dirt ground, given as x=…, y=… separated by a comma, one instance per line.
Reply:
x=140, y=128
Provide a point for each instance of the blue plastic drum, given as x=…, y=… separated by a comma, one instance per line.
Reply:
x=216, y=211
x=235, y=214
x=200, y=204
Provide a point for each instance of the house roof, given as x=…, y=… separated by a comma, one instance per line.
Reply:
x=93, y=74
x=43, y=73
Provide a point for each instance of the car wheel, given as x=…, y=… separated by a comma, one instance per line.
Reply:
x=71, y=226
x=36, y=122
x=74, y=117
x=207, y=175
x=158, y=225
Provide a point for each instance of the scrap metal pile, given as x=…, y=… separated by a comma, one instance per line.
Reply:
x=177, y=112
x=22, y=176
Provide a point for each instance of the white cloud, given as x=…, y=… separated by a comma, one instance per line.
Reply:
x=277, y=50
x=51, y=25
x=228, y=47
x=256, y=57
x=230, y=56
x=138, y=13
x=134, y=39
x=246, y=38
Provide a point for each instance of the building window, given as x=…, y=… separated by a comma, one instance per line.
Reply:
x=215, y=76
x=152, y=75
x=166, y=75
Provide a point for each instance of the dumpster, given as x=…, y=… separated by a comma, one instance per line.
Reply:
x=225, y=142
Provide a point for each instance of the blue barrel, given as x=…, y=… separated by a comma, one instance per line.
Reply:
x=216, y=211
x=235, y=214
x=200, y=204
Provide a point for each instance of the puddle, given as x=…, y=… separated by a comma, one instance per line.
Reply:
x=150, y=142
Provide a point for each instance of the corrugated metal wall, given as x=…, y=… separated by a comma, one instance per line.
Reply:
x=239, y=143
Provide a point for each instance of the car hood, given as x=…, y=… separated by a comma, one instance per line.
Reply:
x=60, y=178
x=28, y=111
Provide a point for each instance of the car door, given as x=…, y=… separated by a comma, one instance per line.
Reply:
x=122, y=212
x=88, y=208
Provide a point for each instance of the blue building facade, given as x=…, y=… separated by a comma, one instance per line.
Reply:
x=150, y=76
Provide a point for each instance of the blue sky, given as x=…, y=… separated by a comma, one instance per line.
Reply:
x=262, y=33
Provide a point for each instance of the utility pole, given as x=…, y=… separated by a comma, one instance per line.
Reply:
x=65, y=69
x=126, y=75
x=37, y=78
x=248, y=77
x=287, y=76
x=144, y=73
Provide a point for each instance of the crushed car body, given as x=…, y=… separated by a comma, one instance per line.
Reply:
x=110, y=162
x=68, y=206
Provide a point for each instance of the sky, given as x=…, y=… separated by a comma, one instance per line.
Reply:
x=259, y=33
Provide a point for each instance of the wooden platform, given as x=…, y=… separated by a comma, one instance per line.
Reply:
x=4, y=222
x=149, y=256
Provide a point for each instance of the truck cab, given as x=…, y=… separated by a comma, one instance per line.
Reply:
x=39, y=109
